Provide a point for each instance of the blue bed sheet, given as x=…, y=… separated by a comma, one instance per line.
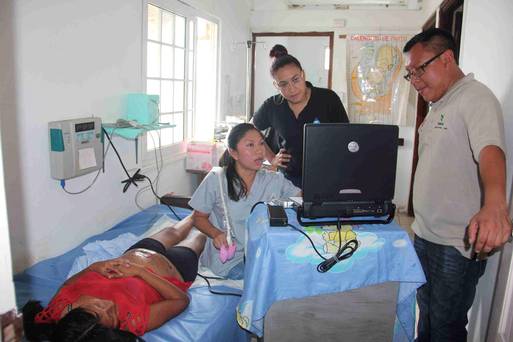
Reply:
x=208, y=317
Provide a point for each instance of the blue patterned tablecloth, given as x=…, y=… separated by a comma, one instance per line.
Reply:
x=281, y=264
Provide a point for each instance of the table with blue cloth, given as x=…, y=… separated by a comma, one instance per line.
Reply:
x=281, y=264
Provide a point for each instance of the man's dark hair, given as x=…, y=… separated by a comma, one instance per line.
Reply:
x=434, y=39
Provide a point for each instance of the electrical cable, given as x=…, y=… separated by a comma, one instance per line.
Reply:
x=309, y=239
x=351, y=245
x=159, y=168
x=254, y=206
x=136, y=177
x=63, y=185
x=342, y=254
x=63, y=182
x=159, y=198
x=216, y=292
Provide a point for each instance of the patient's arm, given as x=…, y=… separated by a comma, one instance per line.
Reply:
x=175, y=300
x=107, y=268
x=166, y=289
x=163, y=311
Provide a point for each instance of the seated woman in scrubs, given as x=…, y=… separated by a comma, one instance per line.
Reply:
x=120, y=299
x=297, y=104
x=225, y=198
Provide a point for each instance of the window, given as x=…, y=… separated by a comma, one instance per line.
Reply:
x=327, y=58
x=181, y=61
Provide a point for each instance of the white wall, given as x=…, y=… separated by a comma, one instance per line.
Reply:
x=273, y=16
x=234, y=15
x=7, y=298
x=74, y=59
x=486, y=50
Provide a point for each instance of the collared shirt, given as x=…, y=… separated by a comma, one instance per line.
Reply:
x=446, y=192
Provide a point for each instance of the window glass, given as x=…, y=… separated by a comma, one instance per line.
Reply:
x=154, y=23
x=179, y=31
x=167, y=64
x=181, y=60
x=167, y=27
x=153, y=60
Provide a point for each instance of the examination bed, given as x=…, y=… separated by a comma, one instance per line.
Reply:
x=209, y=317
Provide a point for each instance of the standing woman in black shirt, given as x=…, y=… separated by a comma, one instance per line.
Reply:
x=297, y=104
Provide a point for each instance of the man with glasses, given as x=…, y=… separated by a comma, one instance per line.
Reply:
x=459, y=194
x=297, y=104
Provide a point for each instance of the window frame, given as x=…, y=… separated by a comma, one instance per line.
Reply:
x=177, y=150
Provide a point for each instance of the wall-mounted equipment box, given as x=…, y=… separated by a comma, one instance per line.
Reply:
x=76, y=147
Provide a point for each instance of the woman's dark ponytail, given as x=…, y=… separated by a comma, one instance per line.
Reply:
x=236, y=186
x=233, y=179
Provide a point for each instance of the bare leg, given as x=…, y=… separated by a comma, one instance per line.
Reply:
x=182, y=234
x=195, y=241
x=174, y=234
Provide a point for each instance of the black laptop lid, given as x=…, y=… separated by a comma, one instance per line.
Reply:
x=349, y=162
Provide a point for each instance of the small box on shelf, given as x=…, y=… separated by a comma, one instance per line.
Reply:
x=202, y=156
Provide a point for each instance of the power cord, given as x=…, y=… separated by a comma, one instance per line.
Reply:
x=63, y=181
x=343, y=252
x=159, y=198
x=158, y=167
x=136, y=177
x=216, y=292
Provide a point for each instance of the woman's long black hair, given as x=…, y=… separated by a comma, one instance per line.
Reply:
x=77, y=326
x=236, y=186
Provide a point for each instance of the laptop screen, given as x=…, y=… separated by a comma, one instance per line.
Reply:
x=349, y=162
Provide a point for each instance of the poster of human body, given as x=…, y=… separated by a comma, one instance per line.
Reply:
x=377, y=91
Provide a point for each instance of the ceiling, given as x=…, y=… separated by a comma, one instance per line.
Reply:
x=354, y=4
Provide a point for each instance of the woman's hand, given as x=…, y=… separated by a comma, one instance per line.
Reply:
x=220, y=240
x=116, y=268
x=281, y=159
x=107, y=268
x=126, y=268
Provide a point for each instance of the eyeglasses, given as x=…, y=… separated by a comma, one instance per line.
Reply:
x=294, y=81
x=421, y=69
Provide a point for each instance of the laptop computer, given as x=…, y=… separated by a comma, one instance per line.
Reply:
x=349, y=171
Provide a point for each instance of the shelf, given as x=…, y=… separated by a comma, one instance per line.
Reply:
x=132, y=133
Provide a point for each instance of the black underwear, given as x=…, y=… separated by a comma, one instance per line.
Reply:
x=183, y=258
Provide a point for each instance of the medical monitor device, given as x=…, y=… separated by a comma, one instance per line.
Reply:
x=76, y=147
x=349, y=171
